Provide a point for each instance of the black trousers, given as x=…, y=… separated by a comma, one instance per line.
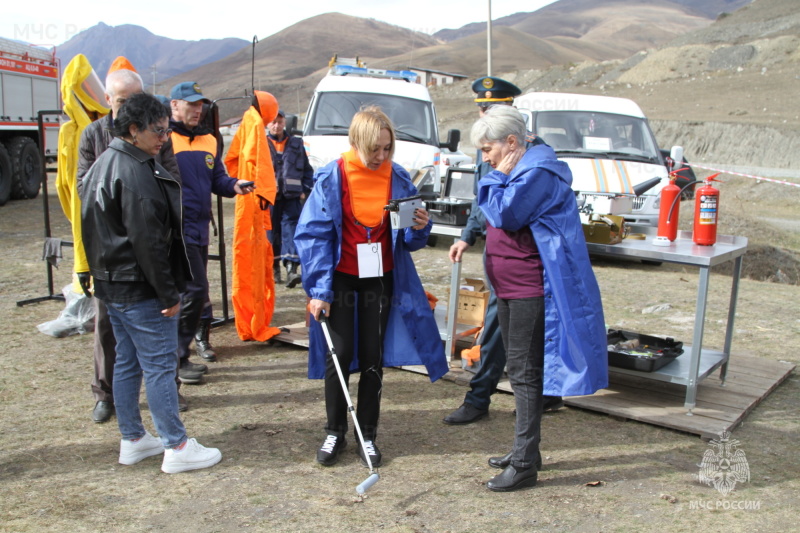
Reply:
x=358, y=318
x=194, y=298
x=522, y=327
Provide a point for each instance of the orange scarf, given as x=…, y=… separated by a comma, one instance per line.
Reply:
x=369, y=189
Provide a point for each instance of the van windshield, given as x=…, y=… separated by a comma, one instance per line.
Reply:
x=413, y=119
x=588, y=133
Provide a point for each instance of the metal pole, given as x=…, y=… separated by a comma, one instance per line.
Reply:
x=253, y=66
x=489, y=41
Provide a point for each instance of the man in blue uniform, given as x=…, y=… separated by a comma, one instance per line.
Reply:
x=202, y=173
x=489, y=91
x=295, y=178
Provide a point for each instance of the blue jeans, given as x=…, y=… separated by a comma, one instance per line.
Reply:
x=522, y=327
x=147, y=344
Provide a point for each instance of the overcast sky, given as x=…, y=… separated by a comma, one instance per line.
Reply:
x=52, y=22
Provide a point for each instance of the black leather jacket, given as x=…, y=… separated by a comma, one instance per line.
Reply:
x=132, y=226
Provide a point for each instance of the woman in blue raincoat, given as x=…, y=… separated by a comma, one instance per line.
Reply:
x=551, y=316
x=358, y=272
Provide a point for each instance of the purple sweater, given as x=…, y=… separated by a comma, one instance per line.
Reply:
x=513, y=263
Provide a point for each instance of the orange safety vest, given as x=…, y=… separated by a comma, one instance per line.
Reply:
x=253, y=284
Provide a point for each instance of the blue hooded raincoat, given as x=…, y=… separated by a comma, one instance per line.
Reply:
x=538, y=194
x=412, y=337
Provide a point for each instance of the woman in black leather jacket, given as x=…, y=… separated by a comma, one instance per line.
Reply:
x=132, y=233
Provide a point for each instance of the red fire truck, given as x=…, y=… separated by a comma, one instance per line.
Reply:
x=29, y=83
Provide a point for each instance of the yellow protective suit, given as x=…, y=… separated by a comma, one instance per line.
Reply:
x=84, y=101
x=253, y=284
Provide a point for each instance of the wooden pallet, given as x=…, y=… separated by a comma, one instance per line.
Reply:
x=294, y=334
x=719, y=407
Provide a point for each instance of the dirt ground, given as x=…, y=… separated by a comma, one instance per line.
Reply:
x=59, y=470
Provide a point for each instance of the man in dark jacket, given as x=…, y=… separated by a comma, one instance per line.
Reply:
x=202, y=173
x=120, y=85
x=489, y=91
x=294, y=175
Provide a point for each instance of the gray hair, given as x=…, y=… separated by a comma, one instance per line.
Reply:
x=123, y=77
x=496, y=124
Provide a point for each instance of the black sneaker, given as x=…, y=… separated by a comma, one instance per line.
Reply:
x=191, y=373
x=466, y=414
x=328, y=453
x=374, y=453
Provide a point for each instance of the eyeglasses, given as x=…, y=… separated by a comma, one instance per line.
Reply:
x=161, y=132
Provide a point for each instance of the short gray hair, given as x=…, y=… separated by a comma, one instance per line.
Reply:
x=123, y=77
x=497, y=124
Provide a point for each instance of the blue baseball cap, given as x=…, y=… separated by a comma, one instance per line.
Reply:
x=490, y=90
x=189, y=91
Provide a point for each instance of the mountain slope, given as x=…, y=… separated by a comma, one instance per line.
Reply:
x=102, y=43
x=290, y=63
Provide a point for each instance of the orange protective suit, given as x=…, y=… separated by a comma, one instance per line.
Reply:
x=253, y=284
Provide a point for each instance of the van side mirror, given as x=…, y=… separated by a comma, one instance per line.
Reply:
x=453, y=138
x=291, y=125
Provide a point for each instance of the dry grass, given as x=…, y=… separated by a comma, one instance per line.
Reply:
x=58, y=470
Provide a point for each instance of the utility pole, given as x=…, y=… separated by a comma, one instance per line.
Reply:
x=489, y=41
x=154, y=70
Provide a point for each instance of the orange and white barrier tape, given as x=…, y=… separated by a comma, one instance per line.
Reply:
x=759, y=178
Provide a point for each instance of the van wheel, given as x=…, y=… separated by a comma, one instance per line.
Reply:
x=28, y=169
x=652, y=263
x=432, y=240
x=5, y=175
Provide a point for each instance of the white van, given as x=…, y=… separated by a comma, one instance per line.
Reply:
x=346, y=89
x=607, y=144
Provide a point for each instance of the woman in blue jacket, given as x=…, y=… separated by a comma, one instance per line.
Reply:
x=358, y=272
x=551, y=316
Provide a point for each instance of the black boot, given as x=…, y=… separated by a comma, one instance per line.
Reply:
x=276, y=271
x=202, y=343
x=292, y=277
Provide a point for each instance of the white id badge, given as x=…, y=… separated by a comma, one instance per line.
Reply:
x=370, y=260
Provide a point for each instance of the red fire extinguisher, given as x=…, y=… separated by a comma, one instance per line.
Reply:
x=705, y=213
x=669, y=209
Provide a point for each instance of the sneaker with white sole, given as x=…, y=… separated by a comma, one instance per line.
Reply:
x=328, y=453
x=133, y=451
x=374, y=453
x=193, y=456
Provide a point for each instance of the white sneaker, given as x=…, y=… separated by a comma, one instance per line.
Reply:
x=193, y=457
x=131, y=452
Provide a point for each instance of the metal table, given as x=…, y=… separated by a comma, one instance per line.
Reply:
x=701, y=362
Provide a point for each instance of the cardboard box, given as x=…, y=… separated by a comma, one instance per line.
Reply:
x=473, y=297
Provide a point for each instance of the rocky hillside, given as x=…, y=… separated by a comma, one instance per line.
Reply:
x=290, y=63
x=723, y=92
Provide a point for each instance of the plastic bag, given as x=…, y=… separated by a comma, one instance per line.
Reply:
x=76, y=318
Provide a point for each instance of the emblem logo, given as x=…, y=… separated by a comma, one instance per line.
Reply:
x=210, y=161
x=724, y=467
x=196, y=88
x=488, y=83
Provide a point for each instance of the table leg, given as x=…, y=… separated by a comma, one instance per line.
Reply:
x=452, y=309
x=697, y=339
x=737, y=271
